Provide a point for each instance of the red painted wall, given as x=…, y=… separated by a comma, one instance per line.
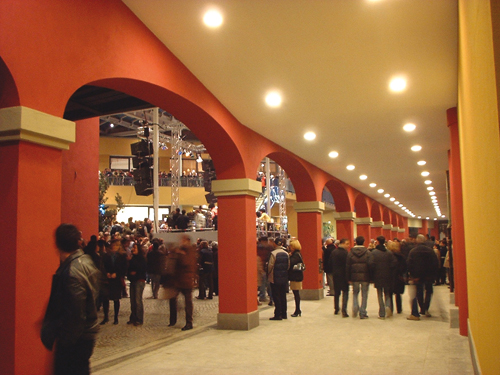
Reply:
x=30, y=196
x=365, y=231
x=309, y=236
x=80, y=182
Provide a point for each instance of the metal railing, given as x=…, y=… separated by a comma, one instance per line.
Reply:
x=163, y=181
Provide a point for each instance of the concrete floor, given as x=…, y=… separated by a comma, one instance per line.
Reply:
x=316, y=343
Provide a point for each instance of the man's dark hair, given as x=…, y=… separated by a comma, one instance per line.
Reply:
x=68, y=238
x=178, y=210
x=343, y=240
x=278, y=241
x=381, y=240
x=360, y=240
x=433, y=238
x=183, y=212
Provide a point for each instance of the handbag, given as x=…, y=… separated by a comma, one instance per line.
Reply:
x=300, y=266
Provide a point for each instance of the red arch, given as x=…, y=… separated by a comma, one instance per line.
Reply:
x=362, y=206
x=394, y=219
x=9, y=97
x=342, y=195
x=386, y=215
x=376, y=211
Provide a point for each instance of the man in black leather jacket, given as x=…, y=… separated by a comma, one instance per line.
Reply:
x=71, y=317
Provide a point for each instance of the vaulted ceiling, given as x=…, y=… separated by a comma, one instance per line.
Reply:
x=331, y=61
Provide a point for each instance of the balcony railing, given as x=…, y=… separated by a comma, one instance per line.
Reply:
x=165, y=181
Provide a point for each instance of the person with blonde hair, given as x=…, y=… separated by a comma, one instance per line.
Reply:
x=296, y=274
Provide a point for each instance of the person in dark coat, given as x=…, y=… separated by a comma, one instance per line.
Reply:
x=115, y=266
x=185, y=272
x=327, y=268
x=70, y=321
x=358, y=274
x=215, y=250
x=206, y=271
x=295, y=274
x=338, y=259
x=137, y=276
x=155, y=259
x=423, y=266
x=383, y=267
x=400, y=275
x=277, y=272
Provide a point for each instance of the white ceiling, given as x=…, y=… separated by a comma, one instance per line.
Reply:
x=332, y=61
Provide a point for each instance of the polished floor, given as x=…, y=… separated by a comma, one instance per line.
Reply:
x=316, y=343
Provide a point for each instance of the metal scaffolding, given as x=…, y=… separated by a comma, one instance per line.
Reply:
x=175, y=165
x=282, y=195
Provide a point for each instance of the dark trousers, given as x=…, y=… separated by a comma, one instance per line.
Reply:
x=279, y=296
x=155, y=284
x=73, y=359
x=424, y=302
x=296, y=297
x=136, y=305
x=187, y=293
x=345, y=298
x=399, y=304
x=206, y=281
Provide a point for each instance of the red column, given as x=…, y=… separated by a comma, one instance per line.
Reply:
x=237, y=253
x=345, y=225
x=80, y=183
x=309, y=222
x=376, y=229
x=363, y=227
x=30, y=201
x=457, y=222
x=386, y=231
x=425, y=229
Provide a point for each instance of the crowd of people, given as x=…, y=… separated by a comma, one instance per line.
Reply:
x=418, y=263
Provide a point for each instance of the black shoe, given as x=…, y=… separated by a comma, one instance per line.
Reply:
x=186, y=327
x=104, y=321
x=284, y=317
x=172, y=324
x=200, y=297
x=336, y=312
x=116, y=321
x=130, y=322
x=345, y=315
x=275, y=318
x=270, y=303
x=296, y=314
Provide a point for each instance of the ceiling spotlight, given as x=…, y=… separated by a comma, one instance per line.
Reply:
x=421, y=162
x=333, y=154
x=416, y=148
x=427, y=217
x=380, y=191
x=409, y=127
x=400, y=205
x=350, y=167
x=363, y=177
x=425, y=173
x=427, y=182
x=432, y=193
x=309, y=136
x=403, y=208
x=212, y=18
x=397, y=202
x=397, y=84
x=392, y=199
x=430, y=188
x=443, y=215
x=373, y=184
x=273, y=99
x=111, y=125
x=387, y=195
x=419, y=217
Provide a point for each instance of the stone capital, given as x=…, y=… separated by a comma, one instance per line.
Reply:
x=344, y=215
x=377, y=224
x=26, y=124
x=238, y=186
x=363, y=220
x=312, y=206
x=401, y=230
x=387, y=226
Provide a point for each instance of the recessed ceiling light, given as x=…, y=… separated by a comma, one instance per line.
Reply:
x=363, y=177
x=419, y=217
x=350, y=167
x=422, y=162
x=111, y=125
x=392, y=199
x=310, y=136
x=427, y=217
x=425, y=173
x=409, y=127
x=212, y=18
x=427, y=182
x=333, y=154
x=273, y=99
x=430, y=188
x=387, y=195
x=403, y=208
x=397, y=84
x=380, y=191
x=443, y=215
x=373, y=184
x=432, y=193
x=400, y=205
x=416, y=148
x=397, y=202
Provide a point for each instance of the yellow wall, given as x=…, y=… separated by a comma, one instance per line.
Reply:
x=480, y=157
